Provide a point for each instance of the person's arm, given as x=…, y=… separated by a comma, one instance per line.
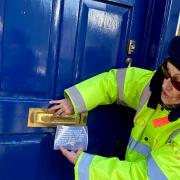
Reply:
x=123, y=86
x=101, y=89
x=162, y=163
x=98, y=90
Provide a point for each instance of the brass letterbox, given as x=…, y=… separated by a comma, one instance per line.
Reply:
x=40, y=117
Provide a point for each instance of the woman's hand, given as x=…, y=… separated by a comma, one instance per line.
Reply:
x=70, y=155
x=61, y=107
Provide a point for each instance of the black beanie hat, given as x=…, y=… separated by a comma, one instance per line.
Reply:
x=174, y=51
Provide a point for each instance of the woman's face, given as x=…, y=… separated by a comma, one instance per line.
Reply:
x=170, y=95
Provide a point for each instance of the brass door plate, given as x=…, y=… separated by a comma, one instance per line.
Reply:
x=40, y=117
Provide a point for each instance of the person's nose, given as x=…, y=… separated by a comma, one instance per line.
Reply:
x=167, y=84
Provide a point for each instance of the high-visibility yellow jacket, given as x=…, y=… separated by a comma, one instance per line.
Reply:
x=153, y=151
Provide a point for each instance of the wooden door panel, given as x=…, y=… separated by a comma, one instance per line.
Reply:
x=23, y=156
x=100, y=41
x=25, y=64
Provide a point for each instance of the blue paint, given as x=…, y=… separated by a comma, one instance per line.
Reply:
x=25, y=46
x=170, y=22
x=101, y=29
x=47, y=46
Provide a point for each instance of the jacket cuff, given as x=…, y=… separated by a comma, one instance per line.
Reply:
x=82, y=166
x=77, y=100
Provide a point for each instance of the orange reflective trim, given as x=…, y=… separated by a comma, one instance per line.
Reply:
x=160, y=121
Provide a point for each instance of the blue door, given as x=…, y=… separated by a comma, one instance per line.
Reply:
x=49, y=45
x=171, y=28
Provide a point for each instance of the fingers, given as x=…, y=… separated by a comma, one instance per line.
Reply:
x=63, y=150
x=61, y=107
x=55, y=107
x=60, y=112
x=58, y=106
x=70, y=155
x=79, y=152
x=56, y=101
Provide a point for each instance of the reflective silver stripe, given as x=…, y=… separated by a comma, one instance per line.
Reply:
x=139, y=147
x=77, y=99
x=83, y=168
x=144, y=97
x=154, y=172
x=121, y=73
x=173, y=135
